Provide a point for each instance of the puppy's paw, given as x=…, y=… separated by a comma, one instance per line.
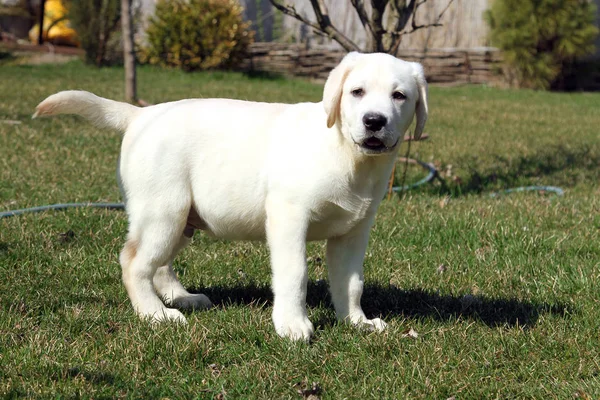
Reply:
x=192, y=302
x=164, y=315
x=295, y=328
x=300, y=329
x=375, y=324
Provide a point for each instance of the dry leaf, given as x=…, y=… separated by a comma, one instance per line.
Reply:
x=410, y=333
x=444, y=202
x=580, y=394
x=448, y=172
x=308, y=392
x=215, y=370
x=66, y=237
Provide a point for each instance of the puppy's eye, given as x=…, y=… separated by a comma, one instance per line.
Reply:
x=399, y=96
x=359, y=92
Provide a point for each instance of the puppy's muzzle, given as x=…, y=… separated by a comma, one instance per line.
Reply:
x=374, y=121
x=375, y=143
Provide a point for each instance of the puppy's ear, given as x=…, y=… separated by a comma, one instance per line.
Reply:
x=422, y=107
x=332, y=93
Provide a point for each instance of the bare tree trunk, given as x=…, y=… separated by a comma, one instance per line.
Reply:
x=41, y=22
x=128, y=52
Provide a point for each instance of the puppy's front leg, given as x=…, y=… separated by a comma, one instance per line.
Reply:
x=286, y=236
x=345, y=256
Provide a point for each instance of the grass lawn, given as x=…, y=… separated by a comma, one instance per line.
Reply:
x=503, y=293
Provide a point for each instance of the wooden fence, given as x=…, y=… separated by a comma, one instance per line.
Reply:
x=442, y=66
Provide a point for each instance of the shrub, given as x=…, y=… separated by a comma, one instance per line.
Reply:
x=197, y=34
x=541, y=39
x=97, y=23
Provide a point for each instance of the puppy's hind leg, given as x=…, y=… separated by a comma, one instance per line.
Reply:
x=151, y=241
x=171, y=290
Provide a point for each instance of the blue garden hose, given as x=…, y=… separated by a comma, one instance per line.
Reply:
x=432, y=174
x=551, y=189
x=108, y=206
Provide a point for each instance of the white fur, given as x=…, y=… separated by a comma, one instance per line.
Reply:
x=287, y=173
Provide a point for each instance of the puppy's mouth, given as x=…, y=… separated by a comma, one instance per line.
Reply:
x=374, y=145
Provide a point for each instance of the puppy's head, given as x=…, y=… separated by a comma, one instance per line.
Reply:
x=373, y=99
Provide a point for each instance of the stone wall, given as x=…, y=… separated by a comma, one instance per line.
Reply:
x=443, y=66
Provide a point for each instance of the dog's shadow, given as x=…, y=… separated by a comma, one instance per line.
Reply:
x=391, y=302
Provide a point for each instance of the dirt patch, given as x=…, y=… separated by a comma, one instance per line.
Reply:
x=27, y=58
x=16, y=53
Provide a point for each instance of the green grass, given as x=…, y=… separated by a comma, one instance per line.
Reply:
x=514, y=314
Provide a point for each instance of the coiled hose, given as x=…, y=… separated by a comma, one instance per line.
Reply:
x=431, y=175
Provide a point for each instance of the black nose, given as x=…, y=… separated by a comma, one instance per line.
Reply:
x=374, y=122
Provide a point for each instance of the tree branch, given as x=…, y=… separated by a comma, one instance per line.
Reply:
x=323, y=22
x=378, y=9
x=291, y=11
x=359, y=6
x=380, y=39
x=436, y=23
x=401, y=12
x=414, y=27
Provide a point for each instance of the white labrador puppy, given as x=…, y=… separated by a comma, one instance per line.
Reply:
x=287, y=173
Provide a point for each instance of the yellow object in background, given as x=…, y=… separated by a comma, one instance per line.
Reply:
x=59, y=31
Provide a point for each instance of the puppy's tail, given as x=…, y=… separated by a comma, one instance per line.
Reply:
x=100, y=111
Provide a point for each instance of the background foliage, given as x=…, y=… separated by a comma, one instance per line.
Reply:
x=97, y=23
x=541, y=39
x=197, y=34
